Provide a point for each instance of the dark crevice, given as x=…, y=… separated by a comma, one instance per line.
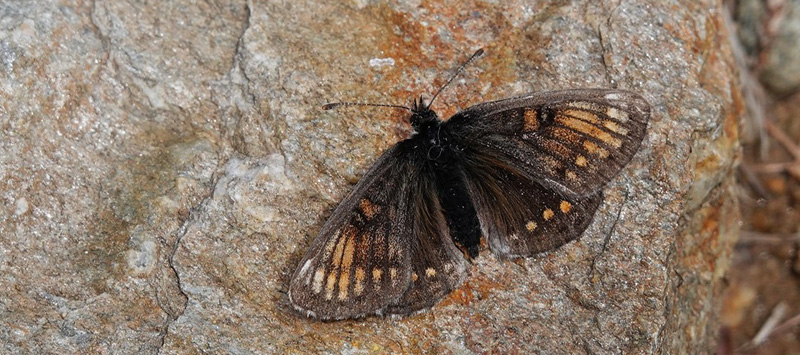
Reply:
x=172, y=316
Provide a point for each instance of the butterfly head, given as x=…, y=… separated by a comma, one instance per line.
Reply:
x=421, y=114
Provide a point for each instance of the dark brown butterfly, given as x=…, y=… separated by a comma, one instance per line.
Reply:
x=525, y=172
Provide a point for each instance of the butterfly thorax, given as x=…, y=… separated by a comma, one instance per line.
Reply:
x=440, y=157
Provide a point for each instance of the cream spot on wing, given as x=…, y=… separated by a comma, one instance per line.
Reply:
x=583, y=115
x=330, y=284
x=613, y=96
x=514, y=236
x=347, y=258
x=332, y=242
x=344, y=284
x=617, y=114
x=369, y=209
x=359, y=288
x=430, y=272
x=571, y=176
x=548, y=213
x=337, y=254
x=565, y=206
x=414, y=276
x=594, y=149
x=376, y=278
x=304, y=271
x=616, y=128
x=550, y=163
x=393, y=276
x=581, y=161
x=394, y=251
x=530, y=226
x=583, y=105
x=590, y=130
x=318, y=276
x=448, y=267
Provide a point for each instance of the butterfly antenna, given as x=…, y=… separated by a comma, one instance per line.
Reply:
x=333, y=105
x=474, y=56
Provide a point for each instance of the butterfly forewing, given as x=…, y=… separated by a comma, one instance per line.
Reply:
x=573, y=140
x=360, y=262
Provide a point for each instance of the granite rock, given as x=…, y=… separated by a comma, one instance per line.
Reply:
x=165, y=164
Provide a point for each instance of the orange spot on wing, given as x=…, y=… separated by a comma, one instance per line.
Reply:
x=369, y=209
x=590, y=130
x=359, y=287
x=581, y=161
x=583, y=115
x=344, y=284
x=592, y=148
x=530, y=121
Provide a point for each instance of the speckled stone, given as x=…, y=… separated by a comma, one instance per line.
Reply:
x=781, y=71
x=164, y=165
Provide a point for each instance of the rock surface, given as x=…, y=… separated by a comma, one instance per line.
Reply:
x=164, y=166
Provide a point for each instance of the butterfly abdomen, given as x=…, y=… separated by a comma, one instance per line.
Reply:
x=462, y=219
x=444, y=159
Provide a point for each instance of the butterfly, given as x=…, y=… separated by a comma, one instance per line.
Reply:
x=525, y=173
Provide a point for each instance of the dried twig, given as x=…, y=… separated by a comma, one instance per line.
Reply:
x=783, y=139
x=769, y=326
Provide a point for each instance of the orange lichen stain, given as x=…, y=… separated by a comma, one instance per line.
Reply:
x=737, y=108
x=709, y=236
x=475, y=288
x=737, y=301
x=709, y=164
x=776, y=184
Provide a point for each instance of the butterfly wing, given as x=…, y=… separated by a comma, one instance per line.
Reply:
x=437, y=266
x=359, y=263
x=535, y=164
x=520, y=217
x=385, y=248
x=575, y=141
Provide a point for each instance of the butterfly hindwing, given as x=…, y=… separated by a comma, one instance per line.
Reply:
x=520, y=217
x=535, y=165
x=572, y=140
x=437, y=266
x=360, y=262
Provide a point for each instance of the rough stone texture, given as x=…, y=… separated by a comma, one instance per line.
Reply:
x=165, y=165
x=781, y=67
